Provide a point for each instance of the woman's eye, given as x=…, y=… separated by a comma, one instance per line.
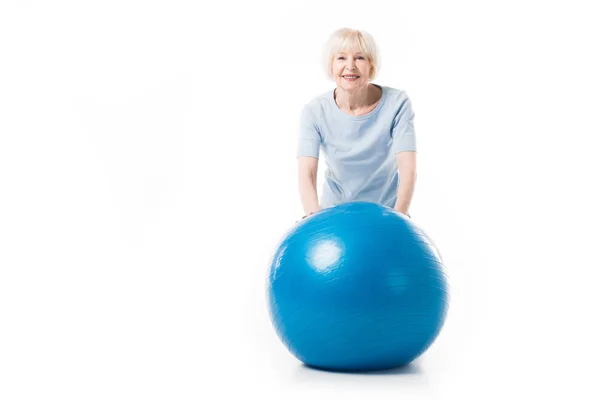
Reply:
x=358, y=58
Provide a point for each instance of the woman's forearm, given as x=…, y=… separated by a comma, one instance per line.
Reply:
x=308, y=194
x=406, y=189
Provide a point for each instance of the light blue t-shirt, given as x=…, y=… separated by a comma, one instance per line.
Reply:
x=359, y=150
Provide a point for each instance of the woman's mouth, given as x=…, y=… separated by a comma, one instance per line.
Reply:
x=350, y=77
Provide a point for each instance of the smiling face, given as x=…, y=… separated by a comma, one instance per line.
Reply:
x=351, y=70
x=351, y=52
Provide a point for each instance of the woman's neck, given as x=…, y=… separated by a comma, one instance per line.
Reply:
x=357, y=99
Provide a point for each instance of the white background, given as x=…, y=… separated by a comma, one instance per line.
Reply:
x=147, y=171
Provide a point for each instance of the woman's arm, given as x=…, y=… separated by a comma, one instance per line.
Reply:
x=407, y=170
x=307, y=183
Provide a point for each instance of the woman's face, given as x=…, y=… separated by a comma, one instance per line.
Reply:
x=351, y=70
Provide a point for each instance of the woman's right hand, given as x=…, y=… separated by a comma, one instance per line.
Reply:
x=307, y=215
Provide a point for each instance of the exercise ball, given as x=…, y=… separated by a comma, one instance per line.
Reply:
x=357, y=287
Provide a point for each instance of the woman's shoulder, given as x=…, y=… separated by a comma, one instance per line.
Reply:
x=320, y=99
x=398, y=100
x=395, y=92
x=317, y=104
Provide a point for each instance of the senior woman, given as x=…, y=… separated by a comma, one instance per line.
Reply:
x=365, y=131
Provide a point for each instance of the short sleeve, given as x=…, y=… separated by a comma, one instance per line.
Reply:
x=403, y=130
x=309, y=139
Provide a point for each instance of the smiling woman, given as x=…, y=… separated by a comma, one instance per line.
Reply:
x=364, y=130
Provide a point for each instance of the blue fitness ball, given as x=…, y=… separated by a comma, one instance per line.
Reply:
x=357, y=287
